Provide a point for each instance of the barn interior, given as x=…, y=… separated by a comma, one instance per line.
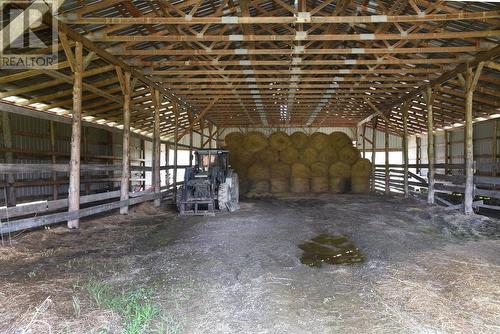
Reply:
x=356, y=190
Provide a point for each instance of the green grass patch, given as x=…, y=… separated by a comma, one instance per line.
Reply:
x=134, y=305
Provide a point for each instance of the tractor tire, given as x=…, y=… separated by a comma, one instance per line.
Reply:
x=235, y=190
x=223, y=196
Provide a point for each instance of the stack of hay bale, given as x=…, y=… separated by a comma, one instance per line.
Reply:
x=298, y=163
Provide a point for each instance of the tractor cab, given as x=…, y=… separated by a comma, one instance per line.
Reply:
x=212, y=164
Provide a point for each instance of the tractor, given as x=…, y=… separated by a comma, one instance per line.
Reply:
x=210, y=184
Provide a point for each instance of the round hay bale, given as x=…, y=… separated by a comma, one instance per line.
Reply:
x=241, y=156
x=339, y=140
x=360, y=184
x=234, y=139
x=279, y=141
x=308, y=156
x=299, y=185
x=300, y=171
x=319, y=184
x=362, y=167
x=255, y=141
x=259, y=186
x=328, y=156
x=299, y=140
x=349, y=155
x=319, y=141
x=258, y=171
x=340, y=169
x=280, y=170
x=289, y=155
x=280, y=185
x=339, y=185
x=268, y=156
x=319, y=169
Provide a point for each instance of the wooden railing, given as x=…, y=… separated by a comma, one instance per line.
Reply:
x=31, y=215
x=486, y=188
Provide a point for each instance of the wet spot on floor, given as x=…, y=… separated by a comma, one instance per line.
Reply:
x=329, y=249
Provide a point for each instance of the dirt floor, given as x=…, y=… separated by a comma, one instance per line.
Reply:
x=425, y=271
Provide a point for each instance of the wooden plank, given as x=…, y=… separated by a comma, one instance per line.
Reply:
x=60, y=168
x=28, y=223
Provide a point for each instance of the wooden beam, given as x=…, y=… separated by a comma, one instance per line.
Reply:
x=236, y=20
x=125, y=183
x=387, y=170
x=405, y=108
x=198, y=117
x=429, y=100
x=120, y=51
x=470, y=82
x=176, y=148
x=248, y=37
x=155, y=94
x=374, y=150
x=76, y=133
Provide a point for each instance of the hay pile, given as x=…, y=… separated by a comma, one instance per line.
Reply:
x=298, y=163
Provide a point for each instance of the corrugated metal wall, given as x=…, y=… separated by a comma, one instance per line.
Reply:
x=483, y=147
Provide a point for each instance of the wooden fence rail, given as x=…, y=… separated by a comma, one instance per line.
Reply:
x=487, y=187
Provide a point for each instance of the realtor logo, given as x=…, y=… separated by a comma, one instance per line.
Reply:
x=25, y=37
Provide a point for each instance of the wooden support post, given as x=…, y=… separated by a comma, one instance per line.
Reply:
x=494, y=148
x=191, y=148
x=217, y=138
x=429, y=100
x=405, y=108
x=364, y=140
x=76, y=135
x=469, y=83
x=167, y=159
x=11, y=199
x=176, y=140
x=142, y=163
x=202, y=127
x=111, y=174
x=210, y=133
x=446, y=151
x=156, y=145
x=419, y=154
x=52, y=133
x=374, y=150
x=387, y=171
x=126, y=86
